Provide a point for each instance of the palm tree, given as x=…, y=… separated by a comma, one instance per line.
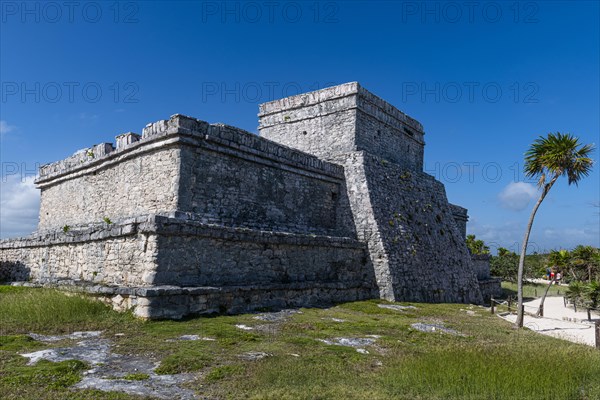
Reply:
x=548, y=159
x=584, y=259
x=576, y=293
x=592, y=297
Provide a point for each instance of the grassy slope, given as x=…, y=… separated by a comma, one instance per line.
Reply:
x=492, y=361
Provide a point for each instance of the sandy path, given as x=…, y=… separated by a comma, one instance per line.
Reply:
x=559, y=321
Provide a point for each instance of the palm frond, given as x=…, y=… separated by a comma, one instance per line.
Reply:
x=558, y=154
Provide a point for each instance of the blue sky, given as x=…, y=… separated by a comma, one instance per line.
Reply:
x=484, y=78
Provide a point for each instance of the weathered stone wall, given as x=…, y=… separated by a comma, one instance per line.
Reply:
x=416, y=248
x=415, y=237
x=489, y=286
x=215, y=173
x=223, y=183
x=481, y=265
x=170, y=267
x=158, y=250
x=195, y=254
x=122, y=253
x=460, y=218
x=341, y=119
x=318, y=122
x=134, y=181
x=398, y=144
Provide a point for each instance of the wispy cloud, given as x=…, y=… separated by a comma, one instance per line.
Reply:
x=5, y=128
x=516, y=195
x=571, y=237
x=85, y=116
x=19, y=206
x=509, y=234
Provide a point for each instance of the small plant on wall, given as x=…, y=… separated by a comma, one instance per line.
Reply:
x=107, y=220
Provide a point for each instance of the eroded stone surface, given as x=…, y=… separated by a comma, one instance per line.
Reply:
x=156, y=386
x=74, y=335
x=396, y=307
x=357, y=343
x=90, y=351
x=244, y=327
x=108, y=369
x=279, y=316
x=434, y=327
x=186, y=337
x=254, y=355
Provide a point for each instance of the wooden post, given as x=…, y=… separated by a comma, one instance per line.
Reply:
x=598, y=334
x=492, y=303
x=509, y=302
x=565, y=301
x=535, y=292
x=541, y=310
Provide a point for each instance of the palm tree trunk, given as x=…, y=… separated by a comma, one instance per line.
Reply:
x=574, y=274
x=541, y=307
x=519, y=321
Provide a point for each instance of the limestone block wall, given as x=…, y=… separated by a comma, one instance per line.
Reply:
x=123, y=254
x=137, y=180
x=235, y=178
x=341, y=119
x=417, y=250
x=197, y=206
x=415, y=237
x=318, y=122
x=166, y=267
x=212, y=173
x=390, y=140
x=460, y=218
x=481, y=266
x=196, y=254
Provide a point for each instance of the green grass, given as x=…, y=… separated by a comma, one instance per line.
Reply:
x=136, y=377
x=24, y=310
x=532, y=290
x=490, y=361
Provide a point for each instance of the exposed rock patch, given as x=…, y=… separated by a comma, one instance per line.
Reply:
x=109, y=369
x=432, y=328
x=357, y=343
x=396, y=307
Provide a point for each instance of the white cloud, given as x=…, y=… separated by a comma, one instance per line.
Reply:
x=19, y=206
x=509, y=234
x=570, y=237
x=5, y=127
x=516, y=195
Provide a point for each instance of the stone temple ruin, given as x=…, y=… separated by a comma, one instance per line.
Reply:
x=329, y=204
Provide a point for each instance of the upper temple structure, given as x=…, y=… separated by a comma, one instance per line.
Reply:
x=329, y=204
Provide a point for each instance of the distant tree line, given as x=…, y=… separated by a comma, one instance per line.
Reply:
x=579, y=267
x=582, y=264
